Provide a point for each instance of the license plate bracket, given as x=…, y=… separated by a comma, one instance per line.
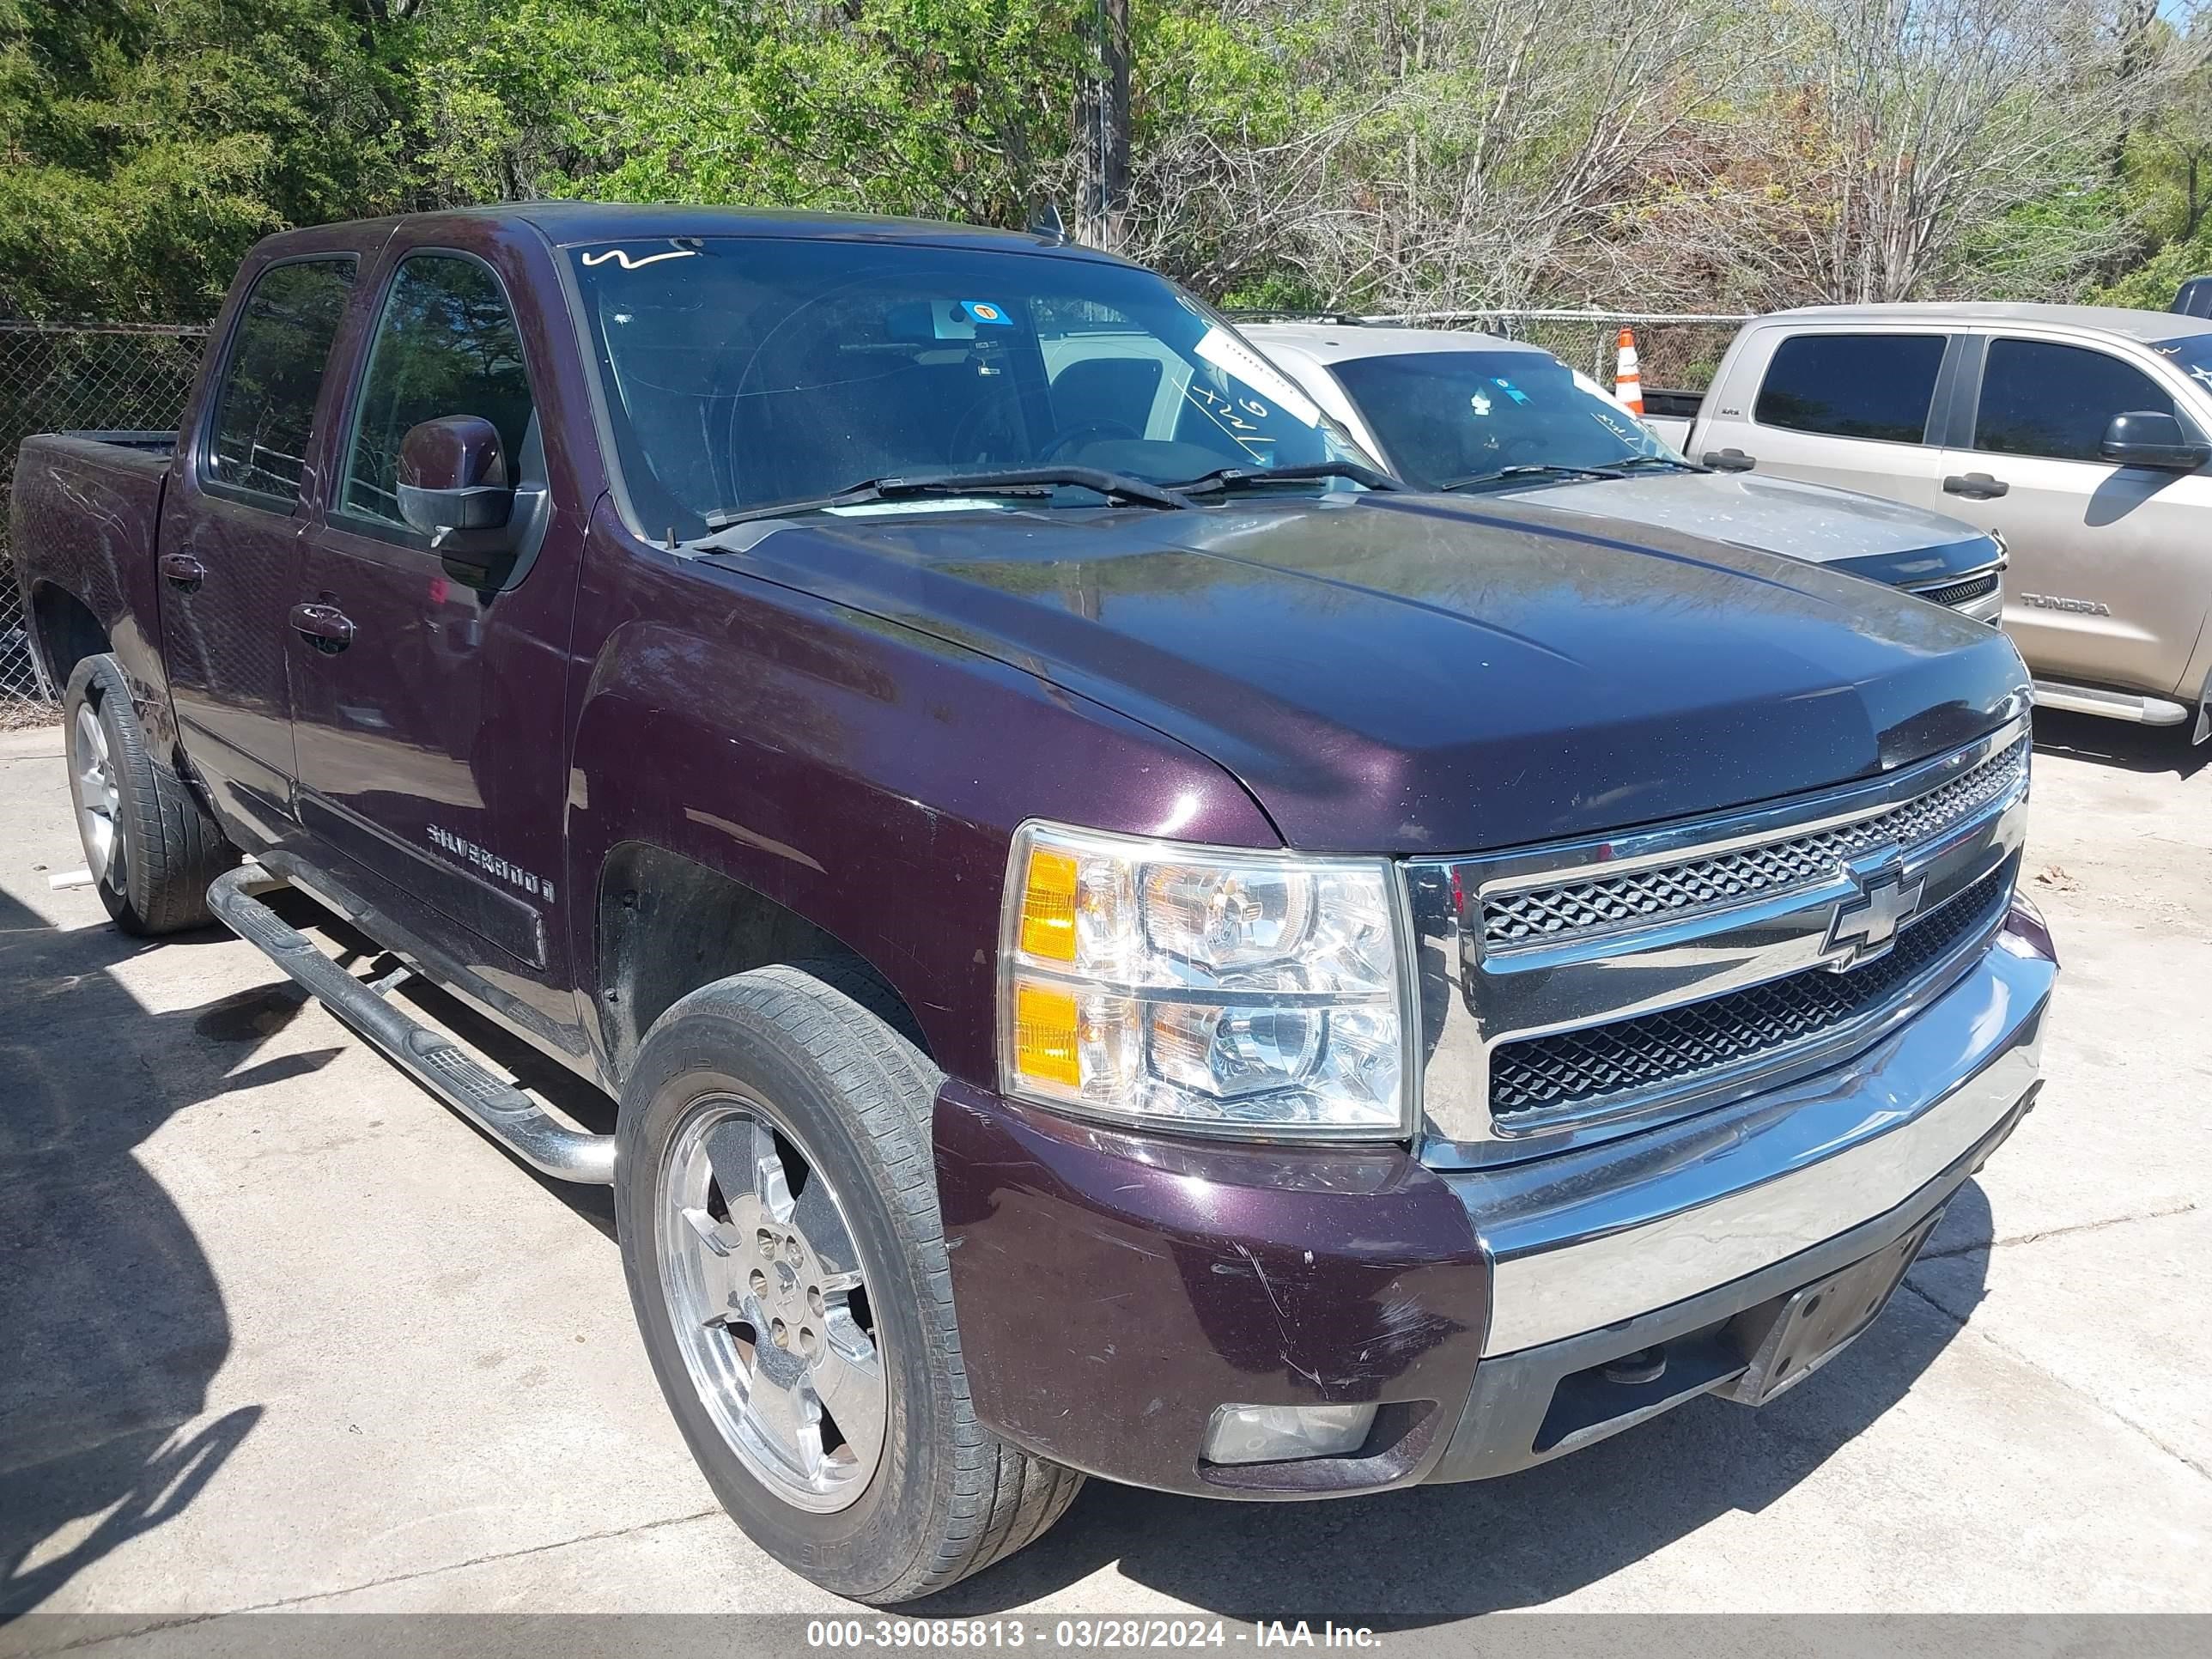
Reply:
x=1787, y=1342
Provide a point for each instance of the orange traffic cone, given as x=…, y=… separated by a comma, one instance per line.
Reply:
x=1628, y=379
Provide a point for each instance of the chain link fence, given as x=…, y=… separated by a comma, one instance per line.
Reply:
x=1678, y=352
x=60, y=377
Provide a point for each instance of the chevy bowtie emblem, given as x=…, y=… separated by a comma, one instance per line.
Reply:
x=1865, y=926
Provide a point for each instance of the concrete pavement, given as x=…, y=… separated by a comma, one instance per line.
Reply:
x=278, y=1331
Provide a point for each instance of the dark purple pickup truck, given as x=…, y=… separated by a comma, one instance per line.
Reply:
x=1118, y=941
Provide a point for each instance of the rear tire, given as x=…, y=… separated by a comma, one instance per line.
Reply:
x=774, y=1122
x=151, y=847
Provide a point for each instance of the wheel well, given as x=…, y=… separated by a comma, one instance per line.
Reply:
x=668, y=925
x=68, y=632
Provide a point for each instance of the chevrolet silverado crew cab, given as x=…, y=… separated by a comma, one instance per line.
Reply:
x=1115, y=940
x=1473, y=415
x=2080, y=434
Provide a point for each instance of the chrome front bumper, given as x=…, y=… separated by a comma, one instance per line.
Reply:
x=1592, y=1238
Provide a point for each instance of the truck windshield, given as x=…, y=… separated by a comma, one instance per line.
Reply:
x=1447, y=416
x=2192, y=354
x=742, y=372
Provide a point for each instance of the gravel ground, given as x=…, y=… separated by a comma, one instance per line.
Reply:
x=283, y=1334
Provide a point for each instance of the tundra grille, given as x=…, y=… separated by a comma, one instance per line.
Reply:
x=1960, y=592
x=1751, y=1027
x=1573, y=910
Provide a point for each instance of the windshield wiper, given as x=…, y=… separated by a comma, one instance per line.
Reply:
x=1506, y=474
x=1223, y=479
x=1118, y=488
x=1672, y=464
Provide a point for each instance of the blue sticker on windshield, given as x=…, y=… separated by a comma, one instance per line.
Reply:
x=1510, y=389
x=983, y=311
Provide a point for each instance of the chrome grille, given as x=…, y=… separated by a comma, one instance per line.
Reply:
x=1570, y=909
x=1960, y=592
x=1750, y=1027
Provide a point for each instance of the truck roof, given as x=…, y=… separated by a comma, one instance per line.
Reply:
x=567, y=223
x=1338, y=343
x=2109, y=320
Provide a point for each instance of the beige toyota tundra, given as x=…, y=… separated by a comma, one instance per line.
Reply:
x=2081, y=435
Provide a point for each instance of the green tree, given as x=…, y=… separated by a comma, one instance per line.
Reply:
x=951, y=108
x=148, y=143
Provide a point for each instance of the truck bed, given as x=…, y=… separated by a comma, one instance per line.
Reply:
x=1672, y=414
x=83, y=518
x=163, y=444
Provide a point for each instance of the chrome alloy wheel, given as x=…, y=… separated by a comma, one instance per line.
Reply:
x=99, y=801
x=766, y=1296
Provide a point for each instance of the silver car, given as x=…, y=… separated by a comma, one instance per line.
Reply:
x=1474, y=415
x=2082, y=435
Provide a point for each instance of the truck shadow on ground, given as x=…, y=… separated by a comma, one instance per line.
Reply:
x=117, y=1325
x=113, y=1318
x=1410, y=1559
x=2154, y=750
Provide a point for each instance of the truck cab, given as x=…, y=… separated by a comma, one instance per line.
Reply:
x=2081, y=436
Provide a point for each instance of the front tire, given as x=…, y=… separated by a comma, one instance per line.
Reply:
x=776, y=1201
x=151, y=847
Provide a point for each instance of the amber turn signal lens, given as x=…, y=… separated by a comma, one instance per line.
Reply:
x=1048, y=906
x=1044, y=1035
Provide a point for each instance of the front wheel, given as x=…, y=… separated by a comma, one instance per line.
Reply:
x=777, y=1206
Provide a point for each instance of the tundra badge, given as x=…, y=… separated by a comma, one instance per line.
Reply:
x=2055, y=602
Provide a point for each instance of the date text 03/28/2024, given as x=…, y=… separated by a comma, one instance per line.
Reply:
x=938, y=1634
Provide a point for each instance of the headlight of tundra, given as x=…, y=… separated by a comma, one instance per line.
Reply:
x=1206, y=988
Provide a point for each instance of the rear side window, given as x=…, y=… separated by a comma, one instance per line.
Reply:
x=1852, y=385
x=265, y=408
x=446, y=345
x=2055, y=401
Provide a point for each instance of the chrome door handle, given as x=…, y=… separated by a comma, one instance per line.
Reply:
x=326, y=628
x=1975, y=486
x=183, y=571
x=1727, y=460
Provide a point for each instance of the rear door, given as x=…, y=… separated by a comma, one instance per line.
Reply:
x=429, y=712
x=231, y=530
x=2110, y=564
x=1853, y=407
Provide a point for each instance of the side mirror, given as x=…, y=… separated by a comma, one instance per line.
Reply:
x=2146, y=438
x=452, y=475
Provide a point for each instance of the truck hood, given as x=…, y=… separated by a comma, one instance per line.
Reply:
x=1405, y=674
x=1887, y=541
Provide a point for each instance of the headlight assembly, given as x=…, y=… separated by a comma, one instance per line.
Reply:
x=1209, y=989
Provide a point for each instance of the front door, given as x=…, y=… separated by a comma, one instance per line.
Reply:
x=428, y=713
x=231, y=535
x=2109, y=563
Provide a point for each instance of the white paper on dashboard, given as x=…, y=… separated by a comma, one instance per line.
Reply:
x=1226, y=351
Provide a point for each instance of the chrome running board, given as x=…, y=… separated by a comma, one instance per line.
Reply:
x=2113, y=705
x=501, y=1110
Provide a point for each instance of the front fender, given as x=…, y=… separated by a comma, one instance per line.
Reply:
x=862, y=774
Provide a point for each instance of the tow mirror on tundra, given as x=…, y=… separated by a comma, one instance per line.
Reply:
x=452, y=475
x=2146, y=437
